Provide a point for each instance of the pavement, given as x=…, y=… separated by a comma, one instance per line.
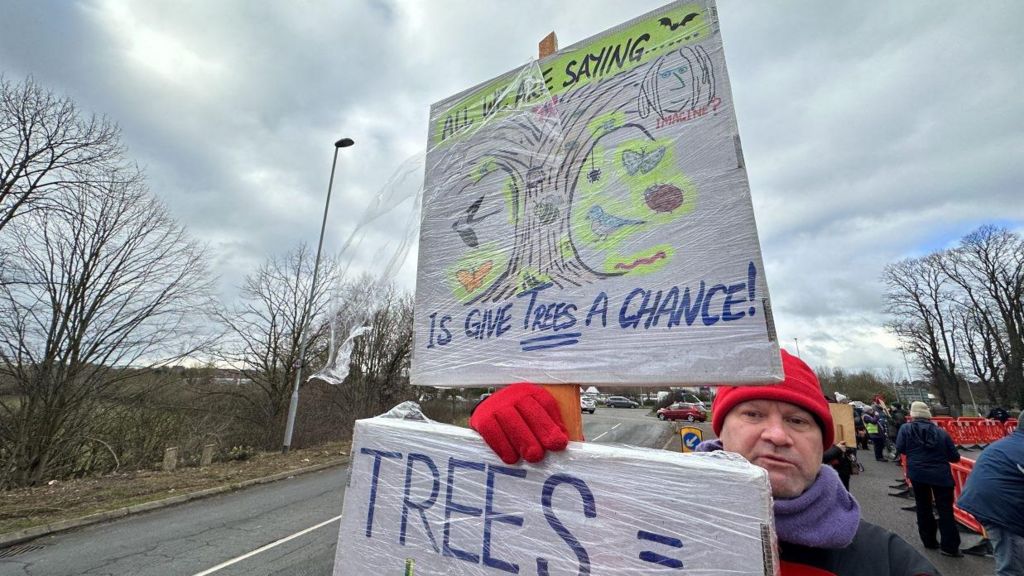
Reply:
x=871, y=488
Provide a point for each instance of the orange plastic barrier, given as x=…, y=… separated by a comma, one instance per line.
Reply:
x=961, y=470
x=991, y=430
x=969, y=431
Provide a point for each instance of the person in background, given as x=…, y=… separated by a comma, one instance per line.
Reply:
x=859, y=430
x=837, y=457
x=783, y=428
x=929, y=450
x=998, y=413
x=994, y=494
x=899, y=418
x=875, y=432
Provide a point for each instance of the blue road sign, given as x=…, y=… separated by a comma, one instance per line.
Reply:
x=691, y=440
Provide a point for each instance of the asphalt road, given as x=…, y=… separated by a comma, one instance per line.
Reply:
x=290, y=527
x=632, y=426
x=193, y=538
x=871, y=488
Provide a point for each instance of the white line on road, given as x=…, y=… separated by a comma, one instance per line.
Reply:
x=267, y=547
x=606, y=431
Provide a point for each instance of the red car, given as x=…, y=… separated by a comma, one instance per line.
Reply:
x=683, y=411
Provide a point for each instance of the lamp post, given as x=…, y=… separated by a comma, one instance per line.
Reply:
x=294, y=405
x=797, y=342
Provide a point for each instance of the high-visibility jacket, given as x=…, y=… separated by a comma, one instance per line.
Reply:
x=871, y=427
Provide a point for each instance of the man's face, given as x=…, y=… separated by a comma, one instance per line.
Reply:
x=782, y=438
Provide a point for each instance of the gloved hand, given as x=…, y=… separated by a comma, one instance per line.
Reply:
x=521, y=420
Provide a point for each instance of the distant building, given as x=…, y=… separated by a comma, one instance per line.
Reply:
x=918, y=390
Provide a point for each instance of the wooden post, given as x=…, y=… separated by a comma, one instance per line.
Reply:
x=567, y=395
x=548, y=46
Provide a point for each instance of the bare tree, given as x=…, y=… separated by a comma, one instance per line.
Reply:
x=988, y=268
x=380, y=357
x=265, y=333
x=105, y=286
x=46, y=145
x=920, y=300
x=983, y=347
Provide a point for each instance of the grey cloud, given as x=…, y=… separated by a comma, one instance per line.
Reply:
x=867, y=128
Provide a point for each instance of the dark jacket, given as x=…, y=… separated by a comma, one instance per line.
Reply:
x=836, y=458
x=999, y=413
x=873, y=552
x=929, y=451
x=994, y=492
x=899, y=418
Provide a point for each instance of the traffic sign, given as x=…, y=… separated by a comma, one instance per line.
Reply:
x=691, y=436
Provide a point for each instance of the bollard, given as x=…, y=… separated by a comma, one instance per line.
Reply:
x=170, y=459
x=207, y=458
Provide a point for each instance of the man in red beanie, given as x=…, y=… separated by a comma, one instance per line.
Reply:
x=783, y=428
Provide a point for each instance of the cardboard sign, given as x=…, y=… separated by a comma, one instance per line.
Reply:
x=434, y=498
x=587, y=219
x=842, y=423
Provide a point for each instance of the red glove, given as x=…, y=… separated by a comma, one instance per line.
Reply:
x=520, y=421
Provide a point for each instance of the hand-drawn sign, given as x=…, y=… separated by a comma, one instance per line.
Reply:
x=690, y=437
x=434, y=497
x=588, y=219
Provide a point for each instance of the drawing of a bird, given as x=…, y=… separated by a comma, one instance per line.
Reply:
x=602, y=223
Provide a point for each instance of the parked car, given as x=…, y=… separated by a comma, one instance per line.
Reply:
x=587, y=405
x=683, y=411
x=620, y=402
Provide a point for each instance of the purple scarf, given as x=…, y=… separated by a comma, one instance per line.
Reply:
x=824, y=516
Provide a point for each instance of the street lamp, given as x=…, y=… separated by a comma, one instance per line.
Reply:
x=797, y=342
x=294, y=405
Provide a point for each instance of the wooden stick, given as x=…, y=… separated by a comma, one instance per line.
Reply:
x=567, y=395
x=568, y=398
x=548, y=46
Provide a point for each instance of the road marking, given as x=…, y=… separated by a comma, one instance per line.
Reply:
x=606, y=431
x=267, y=547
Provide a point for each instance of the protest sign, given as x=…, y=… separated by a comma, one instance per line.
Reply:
x=587, y=219
x=434, y=498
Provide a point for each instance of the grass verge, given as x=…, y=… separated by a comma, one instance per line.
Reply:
x=64, y=500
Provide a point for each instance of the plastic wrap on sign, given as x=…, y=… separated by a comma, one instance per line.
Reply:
x=433, y=499
x=587, y=219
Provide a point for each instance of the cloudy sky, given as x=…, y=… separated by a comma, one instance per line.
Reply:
x=872, y=131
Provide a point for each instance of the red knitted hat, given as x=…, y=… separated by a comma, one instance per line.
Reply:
x=801, y=387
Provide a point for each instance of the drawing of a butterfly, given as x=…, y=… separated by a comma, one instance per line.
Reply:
x=642, y=161
x=471, y=281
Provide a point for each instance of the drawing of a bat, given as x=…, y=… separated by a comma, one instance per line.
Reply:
x=686, y=20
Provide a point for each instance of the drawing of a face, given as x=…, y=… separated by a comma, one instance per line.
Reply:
x=621, y=220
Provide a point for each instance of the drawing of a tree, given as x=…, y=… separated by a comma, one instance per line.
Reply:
x=537, y=156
